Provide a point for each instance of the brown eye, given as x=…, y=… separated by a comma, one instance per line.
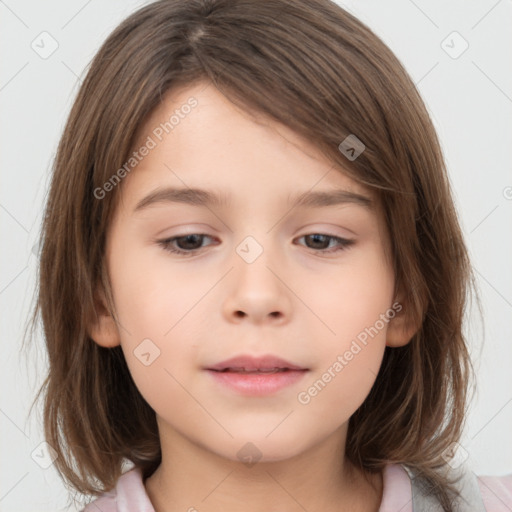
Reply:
x=323, y=243
x=186, y=245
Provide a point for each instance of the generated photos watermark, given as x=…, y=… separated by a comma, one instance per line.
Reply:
x=157, y=135
x=342, y=360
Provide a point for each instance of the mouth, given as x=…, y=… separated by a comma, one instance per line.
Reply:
x=256, y=376
x=251, y=364
x=258, y=370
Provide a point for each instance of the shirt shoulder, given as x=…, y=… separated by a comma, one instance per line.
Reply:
x=496, y=492
x=129, y=495
x=396, y=489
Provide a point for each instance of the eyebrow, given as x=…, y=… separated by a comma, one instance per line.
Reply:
x=201, y=197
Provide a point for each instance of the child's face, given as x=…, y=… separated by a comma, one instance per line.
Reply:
x=254, y=285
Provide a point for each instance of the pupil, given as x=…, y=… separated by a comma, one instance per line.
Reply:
x=190, y=239
x=318, y=239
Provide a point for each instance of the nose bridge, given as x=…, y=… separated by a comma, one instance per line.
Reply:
x=253, y=247
x=255, y=254
x=257, y=290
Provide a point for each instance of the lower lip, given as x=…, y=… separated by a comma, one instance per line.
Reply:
x=257, y=384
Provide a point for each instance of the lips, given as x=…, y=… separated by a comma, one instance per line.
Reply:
x=256, y=376
x=248, y=364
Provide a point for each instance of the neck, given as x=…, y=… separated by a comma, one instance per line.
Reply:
x=320, y=478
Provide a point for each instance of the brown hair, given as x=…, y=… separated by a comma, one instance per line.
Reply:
x=317, y=69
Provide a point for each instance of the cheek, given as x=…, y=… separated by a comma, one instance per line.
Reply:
x=354, y=307
x=151, y=296
x=346, y=367
x=351, y=297
x=155, y=310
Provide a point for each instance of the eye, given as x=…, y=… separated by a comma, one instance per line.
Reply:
x=189, y=244
x=322, y=241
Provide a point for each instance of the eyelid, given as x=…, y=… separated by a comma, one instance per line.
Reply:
x=328, y=228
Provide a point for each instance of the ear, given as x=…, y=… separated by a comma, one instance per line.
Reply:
x=400, y=328
x=103, y=329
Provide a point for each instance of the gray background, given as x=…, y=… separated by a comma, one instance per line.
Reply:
x=469, y=97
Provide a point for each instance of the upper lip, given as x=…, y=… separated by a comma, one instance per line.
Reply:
x=266, y=362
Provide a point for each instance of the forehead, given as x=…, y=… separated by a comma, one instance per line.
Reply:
x=197, y=127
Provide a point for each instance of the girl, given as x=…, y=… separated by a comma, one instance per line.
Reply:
x=308, y=353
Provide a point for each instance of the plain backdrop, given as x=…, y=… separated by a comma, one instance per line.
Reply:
x=468, y=92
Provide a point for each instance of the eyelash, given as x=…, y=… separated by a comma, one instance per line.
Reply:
x=166, y=244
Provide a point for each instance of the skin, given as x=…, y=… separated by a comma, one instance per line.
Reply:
x=293, y=301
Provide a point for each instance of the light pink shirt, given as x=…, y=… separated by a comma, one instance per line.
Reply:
x=130, y=495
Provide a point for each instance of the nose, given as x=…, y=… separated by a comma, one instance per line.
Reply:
x=257, y=293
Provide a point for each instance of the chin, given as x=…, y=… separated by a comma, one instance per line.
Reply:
x=259, y=448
